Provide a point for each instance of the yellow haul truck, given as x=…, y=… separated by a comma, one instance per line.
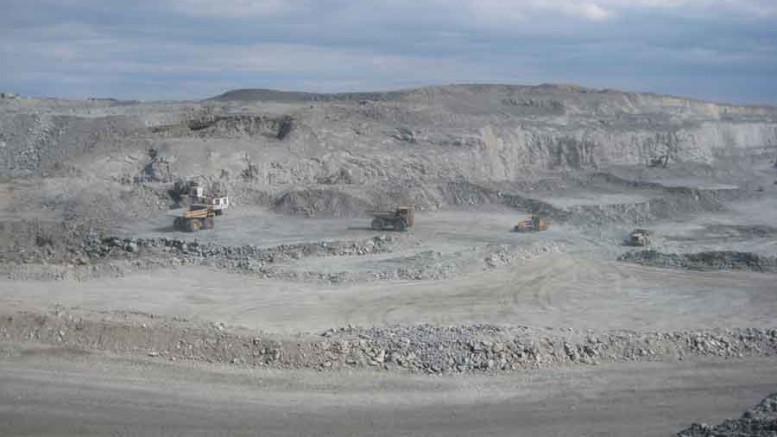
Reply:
x=198, y=217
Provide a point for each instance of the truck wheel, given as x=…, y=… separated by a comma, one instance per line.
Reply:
x=219, y=211
x=400, y=225
x=377, y=224
x=177, y=225
x=194, y=225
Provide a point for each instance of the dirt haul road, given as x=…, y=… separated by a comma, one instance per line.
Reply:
x=553, y=291
x=60, y=393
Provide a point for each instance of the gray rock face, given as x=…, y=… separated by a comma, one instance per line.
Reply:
x=760, y=421
x=338, y=155
x=478, y=132
x=719, y=260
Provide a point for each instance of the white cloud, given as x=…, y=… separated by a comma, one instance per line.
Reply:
x=516, y=11
x=746, y=8
x=234, y=8
x=521, y=12
x=575, y=9
x=594, y=12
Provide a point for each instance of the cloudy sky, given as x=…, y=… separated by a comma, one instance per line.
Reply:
x=723, y=50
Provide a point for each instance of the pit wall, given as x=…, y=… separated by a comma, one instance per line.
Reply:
x=477, y=148
x=507, y=153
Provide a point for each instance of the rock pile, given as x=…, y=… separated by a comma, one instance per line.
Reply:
x=715, y=260
x=114, y=256
x=106, y=255
x=422, y=349
x=760, y=421
x=484, y=348
x=247, y=257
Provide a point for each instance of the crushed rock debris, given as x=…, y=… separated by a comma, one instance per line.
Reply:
x=715, y=260
x=760, y=421
x=424, y=349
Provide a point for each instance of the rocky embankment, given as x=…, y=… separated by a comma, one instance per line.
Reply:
x=416, y=349
x=760, y=421
x=714, y=260
x=100, y=255
x=113, y=256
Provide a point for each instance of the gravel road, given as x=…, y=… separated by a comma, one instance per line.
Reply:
x=59, y=392
x=552, y=291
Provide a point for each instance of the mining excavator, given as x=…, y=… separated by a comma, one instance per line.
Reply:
x=661, y=161
x=399, y=219
x=191, y=192
x=533, y=224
